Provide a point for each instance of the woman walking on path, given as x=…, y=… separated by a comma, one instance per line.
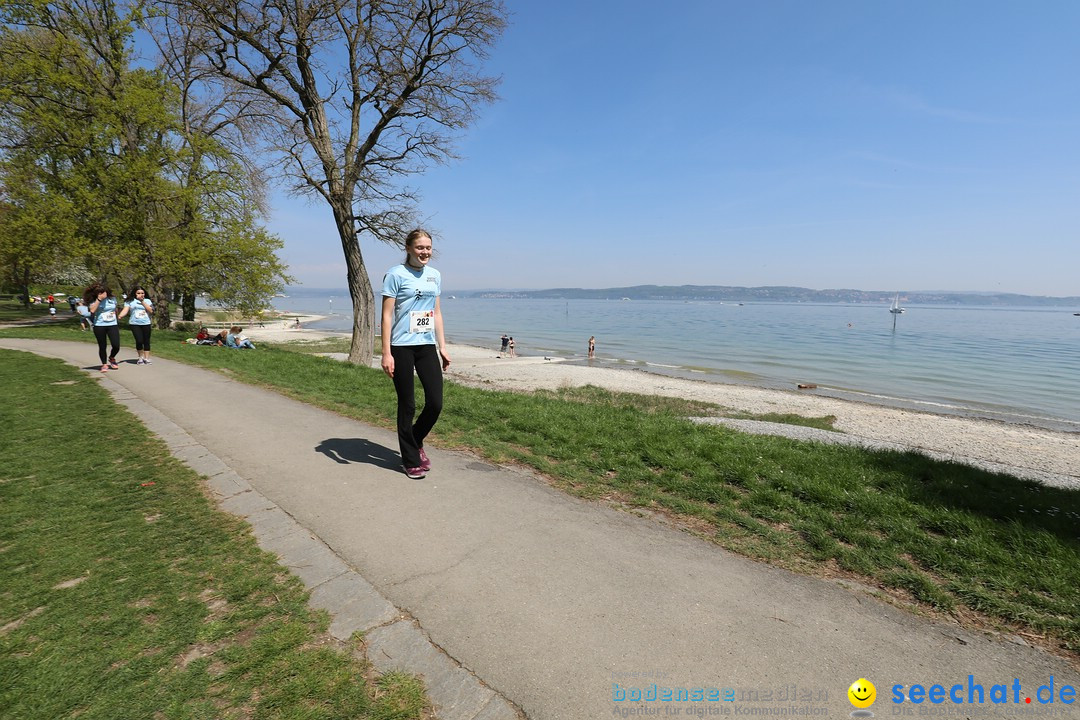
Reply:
x=84, y=315
x=412, y=339
x=102, y=306
x=141, y=310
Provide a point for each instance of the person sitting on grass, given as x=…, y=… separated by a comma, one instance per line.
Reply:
x=235, y=339
x=203, y=337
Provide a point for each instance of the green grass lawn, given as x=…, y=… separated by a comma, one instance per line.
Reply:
x=989, y=548
x=11, y=311
x=124, y=594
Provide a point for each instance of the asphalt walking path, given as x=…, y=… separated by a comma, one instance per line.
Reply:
x=512, y=598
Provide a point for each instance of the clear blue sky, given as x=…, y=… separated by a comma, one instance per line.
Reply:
x=915, y=145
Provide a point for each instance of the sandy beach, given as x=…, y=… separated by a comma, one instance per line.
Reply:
x=1044, y=455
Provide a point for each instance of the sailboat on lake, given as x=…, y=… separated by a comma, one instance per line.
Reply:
x=896, y=310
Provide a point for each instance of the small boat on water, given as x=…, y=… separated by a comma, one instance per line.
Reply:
x=895, y=309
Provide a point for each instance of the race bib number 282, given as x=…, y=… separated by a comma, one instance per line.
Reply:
x=421, y=321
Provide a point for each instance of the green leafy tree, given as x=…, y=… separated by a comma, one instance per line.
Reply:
x=34, y=232
x=94, y=129
x=155, y=198
x=35, y=224
x=249, y=270
x=355, y=95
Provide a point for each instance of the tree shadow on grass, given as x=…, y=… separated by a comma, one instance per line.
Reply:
x=998, y=497
x=359, y=450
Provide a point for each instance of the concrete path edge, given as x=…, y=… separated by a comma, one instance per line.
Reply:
x=393, y=640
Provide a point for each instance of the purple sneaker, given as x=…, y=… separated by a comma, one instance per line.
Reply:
x=415, y=473
x=425, y=464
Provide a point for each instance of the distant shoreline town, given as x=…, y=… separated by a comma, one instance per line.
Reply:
x=727, y=293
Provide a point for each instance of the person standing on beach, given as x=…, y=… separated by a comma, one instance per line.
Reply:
x=103, y=311
x=510, y=345
x=592, y=346
x=141, y=310
x=505, y=343
x=412, y=340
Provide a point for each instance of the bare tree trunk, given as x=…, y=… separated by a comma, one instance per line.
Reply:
x=363, y=335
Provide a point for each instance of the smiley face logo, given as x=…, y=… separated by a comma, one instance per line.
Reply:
x=862, y=693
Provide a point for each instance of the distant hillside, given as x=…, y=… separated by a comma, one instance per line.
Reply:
x=783, y=294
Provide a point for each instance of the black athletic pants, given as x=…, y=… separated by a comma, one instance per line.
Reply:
x=427, y=363
x=112, y=332
x=142, y=336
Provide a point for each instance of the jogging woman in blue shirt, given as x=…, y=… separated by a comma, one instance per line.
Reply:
x=141, y=309
x=412, y=339
x=103, y=309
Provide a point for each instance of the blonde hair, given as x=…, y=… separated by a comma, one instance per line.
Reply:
x=412, y=237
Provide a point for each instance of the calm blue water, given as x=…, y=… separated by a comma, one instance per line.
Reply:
x=1015, y=364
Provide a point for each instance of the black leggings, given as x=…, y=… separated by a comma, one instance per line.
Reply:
x=112, y=332
x=428, y=365
x=142, y=336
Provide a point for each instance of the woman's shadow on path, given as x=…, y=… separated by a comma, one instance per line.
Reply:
x=359, y=450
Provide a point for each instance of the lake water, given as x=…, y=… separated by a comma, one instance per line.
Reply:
x=1013, y=364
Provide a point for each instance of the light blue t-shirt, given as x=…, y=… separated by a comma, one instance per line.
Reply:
x=139, y=315
x=106, y=313
x=414, y=293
